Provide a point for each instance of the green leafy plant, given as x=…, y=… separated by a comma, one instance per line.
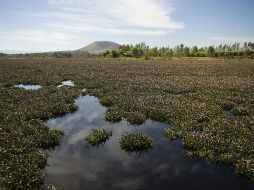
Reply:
x=139, y=90
x=98, y=136
x=135, y=142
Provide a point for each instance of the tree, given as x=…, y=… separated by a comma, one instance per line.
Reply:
x=237, y=46
x=154, y=51
x=171, y=53
x=194, y=49
x=251, y=46
x=181, y=47
x=186, y=51
x=125, y=47
x=106, y=53
x=245, y=46
x=3, y=55
x=210, y=51
x=222, y=50
x=134, y=52
x=114, y=53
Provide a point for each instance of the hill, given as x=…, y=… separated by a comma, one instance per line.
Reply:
x=99, y=47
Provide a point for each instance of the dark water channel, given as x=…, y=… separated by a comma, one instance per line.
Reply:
x=74, y=165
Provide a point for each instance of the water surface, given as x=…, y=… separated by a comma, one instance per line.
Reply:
x=66, y=83
x=74, y=165
x=28, y=86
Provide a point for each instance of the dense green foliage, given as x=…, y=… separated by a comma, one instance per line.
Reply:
x=142, y=50
x=98, y=136
x=24, y=138
x=209, y=104
x=135, y=142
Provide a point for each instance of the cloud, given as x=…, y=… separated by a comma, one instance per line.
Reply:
x=36, y=40
x=232, y=38
x=40, y=36
x=62, y=23
x=143, y=17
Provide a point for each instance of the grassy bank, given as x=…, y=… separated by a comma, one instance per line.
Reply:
x=209, y=103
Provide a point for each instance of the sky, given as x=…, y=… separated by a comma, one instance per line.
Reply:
x=53, y=25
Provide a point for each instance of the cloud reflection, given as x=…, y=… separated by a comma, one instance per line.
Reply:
x=74, y=166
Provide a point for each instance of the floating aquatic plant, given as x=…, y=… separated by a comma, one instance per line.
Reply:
x=98, y=136
x=135, y=142
x=227, y=106
x=139, y=89
x=135, y=118
x=172, y=133
x=106, y=101
x=52, y=187
x=112, y=115
x=240, y=111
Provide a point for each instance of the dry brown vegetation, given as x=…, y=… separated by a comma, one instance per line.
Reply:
x=209, y=104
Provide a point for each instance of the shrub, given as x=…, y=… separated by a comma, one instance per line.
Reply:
x=135, y=142
x=98, y=136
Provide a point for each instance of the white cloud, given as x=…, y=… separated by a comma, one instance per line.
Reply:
x=66, y=22
x=36, y=40
x=114, y=16
x=232, y=38
x=40, y=36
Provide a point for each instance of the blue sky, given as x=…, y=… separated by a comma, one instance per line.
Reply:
x=49, y=25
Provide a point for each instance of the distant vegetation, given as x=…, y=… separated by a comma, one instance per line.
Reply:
x=113, y=50
x=57, y=54
x=3, y=55
x=141, y=50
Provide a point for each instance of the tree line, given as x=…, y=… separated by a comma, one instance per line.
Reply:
x=141, y=50
x=57, y=54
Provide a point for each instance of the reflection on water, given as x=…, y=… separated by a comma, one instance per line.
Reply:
x=73, y=165
x=66, y=83
x=28, y=87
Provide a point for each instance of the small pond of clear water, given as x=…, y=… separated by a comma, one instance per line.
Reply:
x=28, y=86
x=74, y=165
x=66, y=83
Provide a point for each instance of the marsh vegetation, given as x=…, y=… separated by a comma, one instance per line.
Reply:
x=135, y=142
x=136, y=90
x=73, y=165
x=98, y=137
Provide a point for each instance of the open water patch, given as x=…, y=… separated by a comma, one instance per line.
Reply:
x=66, y=83
x=73, y=165
x=28, y=86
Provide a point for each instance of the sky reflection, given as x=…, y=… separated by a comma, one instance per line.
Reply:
x=73, y=165
x=66, y=83
x=28, y=87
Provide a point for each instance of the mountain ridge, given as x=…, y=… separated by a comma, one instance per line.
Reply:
x=98, y=47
